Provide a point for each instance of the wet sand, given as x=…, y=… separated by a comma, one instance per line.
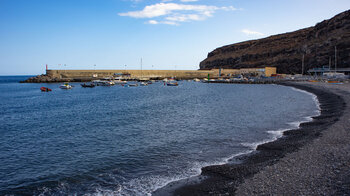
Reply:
x=311, y=160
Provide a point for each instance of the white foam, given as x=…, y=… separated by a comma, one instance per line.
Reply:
x=275, y=134
x=314, y=97
x=145, y=185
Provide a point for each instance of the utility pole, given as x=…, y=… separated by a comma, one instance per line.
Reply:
x=335, y=59
x=302, y=65
x=141, y=67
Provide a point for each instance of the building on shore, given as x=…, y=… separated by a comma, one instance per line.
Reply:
x=266, y=71
x=325, y=70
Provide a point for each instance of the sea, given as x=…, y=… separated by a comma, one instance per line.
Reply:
x=134, y=140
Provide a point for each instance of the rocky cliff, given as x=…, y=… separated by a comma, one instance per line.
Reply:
x=285, y=51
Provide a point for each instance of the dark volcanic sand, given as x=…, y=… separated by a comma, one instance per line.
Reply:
x=312, y=160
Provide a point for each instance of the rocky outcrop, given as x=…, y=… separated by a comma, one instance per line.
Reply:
x=285, y=51
x=50, y=79
x=41, y=79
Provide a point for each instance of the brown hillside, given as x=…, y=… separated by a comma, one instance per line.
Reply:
x=285, y=51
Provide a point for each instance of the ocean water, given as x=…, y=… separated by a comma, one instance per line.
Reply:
x=132, y=141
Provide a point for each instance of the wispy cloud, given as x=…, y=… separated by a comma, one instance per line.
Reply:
x=250, y=32
x=173, y=13
x=152, y=22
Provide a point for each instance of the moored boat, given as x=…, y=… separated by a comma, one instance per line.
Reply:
x=172, y=84
x=45, y=89
x=91, y=85
x=102, y=83
x=66, y=86
x=133, y=85
x=119, y=82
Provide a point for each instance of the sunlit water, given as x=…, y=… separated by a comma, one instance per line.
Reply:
x=131, y=141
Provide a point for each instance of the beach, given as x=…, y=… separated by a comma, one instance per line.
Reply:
x=311, y=160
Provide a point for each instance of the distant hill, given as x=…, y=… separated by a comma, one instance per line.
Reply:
x=285, y=51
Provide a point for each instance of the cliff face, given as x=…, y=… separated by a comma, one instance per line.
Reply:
x=285, y=51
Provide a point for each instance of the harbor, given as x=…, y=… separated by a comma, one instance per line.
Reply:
x=175, y=98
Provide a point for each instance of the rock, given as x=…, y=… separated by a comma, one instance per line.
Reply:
x=285, y=51
x=43, y=79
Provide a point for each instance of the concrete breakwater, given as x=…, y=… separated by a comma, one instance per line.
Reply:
x=52, y=76
x=89, y=75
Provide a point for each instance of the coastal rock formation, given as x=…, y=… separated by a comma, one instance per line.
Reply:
x=285, y=51
x=45, y=79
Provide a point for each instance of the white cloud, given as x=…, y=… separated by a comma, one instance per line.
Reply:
x=152, y=22
x=169, y=23
x=161, y=9
x=155, y=22
x=173, y=12
x=185, y=18
x=249, y=32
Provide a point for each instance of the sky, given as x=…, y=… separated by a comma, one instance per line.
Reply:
x=117, y=34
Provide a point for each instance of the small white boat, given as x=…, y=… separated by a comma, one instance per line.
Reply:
x=102, y=83
x=143, y=84
x=66, y=86
x=133, y=85
x=119, y=82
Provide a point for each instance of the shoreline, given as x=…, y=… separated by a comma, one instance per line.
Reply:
x=224, y=179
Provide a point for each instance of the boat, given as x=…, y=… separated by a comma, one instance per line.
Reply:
x=143, y=84
x=102, y=83
x=108, y=82
x=133, y=85
x=119, y=81
x=45, y=89
x=91, y=85
x=333, y=81
x=172, y=84
x=66, y=86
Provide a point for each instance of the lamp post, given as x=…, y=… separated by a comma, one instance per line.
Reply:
x=335, y=59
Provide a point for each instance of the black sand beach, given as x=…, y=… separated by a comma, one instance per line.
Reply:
x=312, y=160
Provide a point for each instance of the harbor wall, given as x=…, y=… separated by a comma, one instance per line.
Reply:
x=137, y=74
x=133, y=74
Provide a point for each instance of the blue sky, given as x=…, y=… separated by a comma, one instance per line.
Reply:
x=116, y=34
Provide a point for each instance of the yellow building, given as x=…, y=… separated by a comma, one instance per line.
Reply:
x=270, y=71
x=266, y=71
